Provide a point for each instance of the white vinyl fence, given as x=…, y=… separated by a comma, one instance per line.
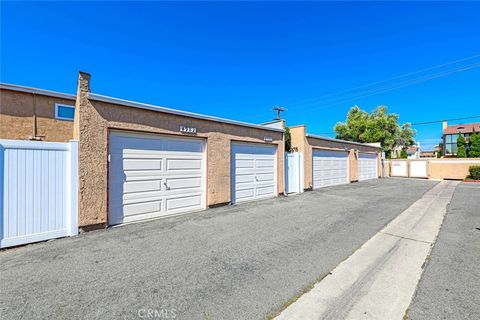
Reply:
x=294, y=172
x=38, y=191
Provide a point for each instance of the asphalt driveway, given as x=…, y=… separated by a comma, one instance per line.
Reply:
x=450, y=285
x=236, y=262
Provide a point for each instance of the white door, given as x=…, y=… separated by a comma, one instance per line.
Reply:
x=367, y=166
x=294, y=172
x=254, y=168
x=154, y=175
x=329, y=168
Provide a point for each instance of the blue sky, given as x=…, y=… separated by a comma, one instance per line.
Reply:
x=237, y=60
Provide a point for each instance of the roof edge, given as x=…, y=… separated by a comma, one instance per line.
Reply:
x=19, y=88
x=146, y=106
x=342, y=141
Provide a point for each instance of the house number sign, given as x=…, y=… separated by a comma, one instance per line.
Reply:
x=185, y=129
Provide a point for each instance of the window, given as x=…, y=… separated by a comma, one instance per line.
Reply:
x=64, y=112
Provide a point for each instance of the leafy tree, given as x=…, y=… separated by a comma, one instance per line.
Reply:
x=403, y=154
x=474, y=151
x=377, y=126
x=461, y=149
x=288, y=140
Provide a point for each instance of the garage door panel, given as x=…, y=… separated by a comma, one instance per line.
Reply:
x=129, y=198
x=247, y=193
x=367, y=166
x=183, y=183
x=265, y=191
x=329, y=168
x=266, y=177
x=141, y=168
x=265, y=164
x=190, y=202
x=244, y=178
x=244, y=163
x=183, y=146
x=142, y=186
x=253, y=171
x=142, y=208
x=184, y=164
x=142, y=164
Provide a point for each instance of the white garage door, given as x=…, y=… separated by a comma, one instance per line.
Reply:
x=367, y=166
x=253, y=171
x=153, y=175
x=329, y=168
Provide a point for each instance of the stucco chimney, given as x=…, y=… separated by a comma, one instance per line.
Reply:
x=444, y=125
x=83, y=81
x=83, y=88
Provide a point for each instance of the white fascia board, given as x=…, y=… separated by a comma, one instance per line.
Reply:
x=14, y=87
x=128, y=103
x=341, y=141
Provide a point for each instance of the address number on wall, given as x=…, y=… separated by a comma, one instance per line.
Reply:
x=186, y=129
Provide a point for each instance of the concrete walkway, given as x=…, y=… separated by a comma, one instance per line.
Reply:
x=379, y=280
x=450, y=285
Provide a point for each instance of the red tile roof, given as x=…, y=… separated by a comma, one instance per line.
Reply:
x=465, y=128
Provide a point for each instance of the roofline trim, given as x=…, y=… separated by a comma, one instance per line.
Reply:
x=342, y=141
x=15, y=87
x=128, y=103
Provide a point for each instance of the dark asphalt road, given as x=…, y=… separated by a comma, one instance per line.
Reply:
x=237, y=262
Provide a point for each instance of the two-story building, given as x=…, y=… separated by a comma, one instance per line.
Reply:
x=451, y=133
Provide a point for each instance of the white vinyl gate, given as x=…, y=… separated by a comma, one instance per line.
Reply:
x=294, y=172
x=329, y=168
x=418, y=169
x=254, y=171
x=399, y=168
x=154, y=175
x=367, y=166
x=38, y=189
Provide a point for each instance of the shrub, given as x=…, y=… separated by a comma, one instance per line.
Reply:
x=474, y=172
x=288, y=140
x=474, y=151
x=403, y=154
x=461, y=150
x=439, y=154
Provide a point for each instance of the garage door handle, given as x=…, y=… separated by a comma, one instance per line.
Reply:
x=256, y=179
x=166, y=186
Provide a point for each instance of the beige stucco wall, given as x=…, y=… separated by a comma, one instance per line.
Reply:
x=96, y=118
x=17, y=111
x=450, y=168
x=307, y=144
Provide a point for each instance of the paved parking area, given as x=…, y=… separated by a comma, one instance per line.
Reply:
x=450, y=285
x=237, y=262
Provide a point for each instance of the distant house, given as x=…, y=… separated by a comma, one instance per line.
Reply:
x=413, y=152
x=451, y=133
x=428, y=154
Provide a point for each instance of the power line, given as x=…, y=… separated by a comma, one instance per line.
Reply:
x=425, y=77
x=438, y=121
x=405, y=83
x=390, y=88
x=389, y=79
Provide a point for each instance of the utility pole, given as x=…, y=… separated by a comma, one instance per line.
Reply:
x=279, y=111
